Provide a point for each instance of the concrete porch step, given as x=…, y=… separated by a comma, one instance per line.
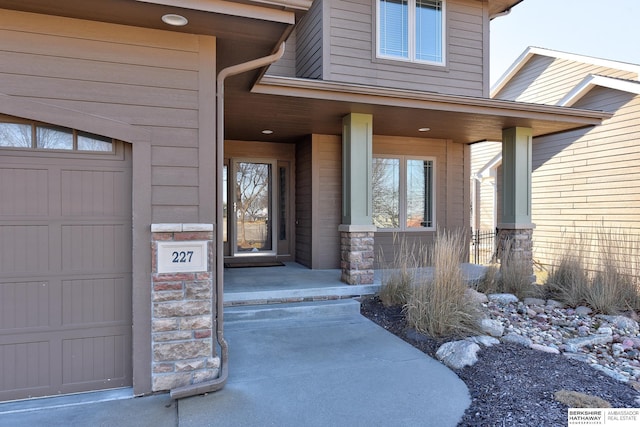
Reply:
x=303, y=310
x=297, y=294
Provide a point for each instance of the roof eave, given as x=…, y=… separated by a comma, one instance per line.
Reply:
x=316, y=89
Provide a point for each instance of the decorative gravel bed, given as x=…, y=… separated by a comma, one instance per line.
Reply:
x=513, y=384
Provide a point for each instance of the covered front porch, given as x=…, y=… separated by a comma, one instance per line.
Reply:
x=294, y=283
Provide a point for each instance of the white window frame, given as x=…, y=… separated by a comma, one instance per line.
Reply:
x=412, y=36
x=402, y=199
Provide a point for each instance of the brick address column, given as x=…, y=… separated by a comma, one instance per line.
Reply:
x=183, y=350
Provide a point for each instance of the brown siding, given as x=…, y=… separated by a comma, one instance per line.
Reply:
x=327, y=200
x=304, y=214
x=286, y=66
x=352, y=54
x=146, y=78
x=310, y=44
x=585, y=179
x=546, y=80
x=452, y=185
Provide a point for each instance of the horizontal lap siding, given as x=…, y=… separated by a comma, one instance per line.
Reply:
x=286, y=66
x=352, y=51
x=591, y=182
x=547, y=80
x=142, y=77
x=484, y=203
x=309, y=43
x=304, y=212
x=327, y=152
x=452, y=184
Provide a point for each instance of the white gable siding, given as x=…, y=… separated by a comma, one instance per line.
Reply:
x=484, y=190
x=546, y=80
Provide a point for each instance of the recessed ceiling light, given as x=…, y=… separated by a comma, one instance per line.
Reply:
x=424, y=129
x=267, y=131
x=175, y=20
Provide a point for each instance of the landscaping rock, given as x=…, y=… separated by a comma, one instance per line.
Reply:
x=492, y=327
x=622, y=322
x=583, y=311
x=503, y=298
x=533, y=301
x=517, y=339
x=458, y=354
x=545, y=348
x=551, y=303
x=484, y=340
x=475, y=296
x=573, y=345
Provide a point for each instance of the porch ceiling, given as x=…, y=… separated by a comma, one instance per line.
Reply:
x=247, y=30
x=293, y=108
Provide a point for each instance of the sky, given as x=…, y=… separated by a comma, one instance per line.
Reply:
x=608, y=29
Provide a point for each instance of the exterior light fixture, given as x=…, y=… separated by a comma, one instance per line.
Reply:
x=424, y=129
x=175, y=20
x=267, y=132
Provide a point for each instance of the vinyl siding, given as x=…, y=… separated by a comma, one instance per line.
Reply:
x=590, y=178
x=546, y=80
x=309, y=43
x=352, y=50
x=452, y=186
x=286, y=66
x=327, y=205
x=484, y=190
x=142, y=77
x=304, y=212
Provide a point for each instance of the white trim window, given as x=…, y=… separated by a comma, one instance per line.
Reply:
x=411, y=30
x=403, y=193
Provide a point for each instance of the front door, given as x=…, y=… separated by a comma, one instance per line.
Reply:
x=253, y=205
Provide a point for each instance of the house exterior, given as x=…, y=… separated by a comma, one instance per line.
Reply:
x=586, y=178
x=143, y=144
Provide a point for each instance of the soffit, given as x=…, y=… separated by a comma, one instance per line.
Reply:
x=294, y=108
x=229, y=20
x=496, y=7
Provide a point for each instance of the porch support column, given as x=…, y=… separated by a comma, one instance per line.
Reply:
x=356, y=231
x=515, y=232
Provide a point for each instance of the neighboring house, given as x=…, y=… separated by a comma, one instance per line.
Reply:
x=138, y=155
x=583, y=179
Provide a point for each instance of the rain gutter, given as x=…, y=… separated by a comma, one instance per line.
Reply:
x=219, y=383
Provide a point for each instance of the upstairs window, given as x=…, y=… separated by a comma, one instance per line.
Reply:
x=403, y=193
x=411, y=30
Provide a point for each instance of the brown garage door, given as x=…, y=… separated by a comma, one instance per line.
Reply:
x=65, y=272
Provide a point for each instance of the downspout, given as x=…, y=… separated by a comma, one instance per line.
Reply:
x=219, y=383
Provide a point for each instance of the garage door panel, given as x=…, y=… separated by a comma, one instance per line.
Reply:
x=94, y=193
x=95, y=301
x=27, y=190
x=25, y=367
x=24, y=248
x=24, y=305
x=91, y=359
x=65, y=272
x=95, y=247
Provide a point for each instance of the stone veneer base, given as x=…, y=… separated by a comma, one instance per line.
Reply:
x=182, y=329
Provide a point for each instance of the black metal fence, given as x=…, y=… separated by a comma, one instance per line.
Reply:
x=483, y=246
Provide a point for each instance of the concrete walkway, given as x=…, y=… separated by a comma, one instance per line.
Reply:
x=340, y=370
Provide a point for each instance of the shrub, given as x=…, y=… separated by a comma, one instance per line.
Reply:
x=599, y=270
x=438, y=307
x=513, y=275
x=398, y=277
